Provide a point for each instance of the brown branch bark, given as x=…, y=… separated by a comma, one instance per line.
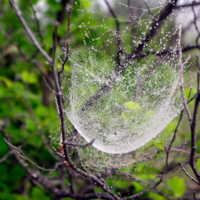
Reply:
x=167, y=10
x=29, y=32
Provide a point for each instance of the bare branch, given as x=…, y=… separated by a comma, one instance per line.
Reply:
x=167, y=10
x=190, y=24
x=145, y=77
x=188, y=174
x=193, y=138
x=23, y=55
x=60, y=72
x=6, y=156
x=111, y=80
x=29, y=32
x=130, y=12
x=35, y=176
x=79, y=145
x=143, y=192
x=187, y=5
x=195, y=23
x=70, y=181
x=119, y=41
x=194, y=196
x=146, y=4
x=37, y=22
x=21, y=154
x=57, y=153
x=189, y=93
x=69, y=23
x=181, y=76
x=53, y=92
x=198, y=81
x=197, y=62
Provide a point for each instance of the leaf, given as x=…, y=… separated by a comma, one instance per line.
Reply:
x=133, y=106
x=6, y=81
x=137, y=187
x=29, y=77
x=177, y=185
x=155, y=196
x=54, y=5
x=19, y=89
x=149, y=113
x=198, y=164
x=122, y=184
x=38, y=194
x=158, y=143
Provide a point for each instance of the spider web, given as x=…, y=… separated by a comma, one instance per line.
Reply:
x=133, y=105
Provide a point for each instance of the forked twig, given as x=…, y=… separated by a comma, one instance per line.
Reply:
x=21, y=154
x=29, y=32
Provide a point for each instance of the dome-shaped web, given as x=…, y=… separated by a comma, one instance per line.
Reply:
x=124, y=107
x=129, y=112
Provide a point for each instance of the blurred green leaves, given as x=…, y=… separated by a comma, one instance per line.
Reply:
x=178, y=186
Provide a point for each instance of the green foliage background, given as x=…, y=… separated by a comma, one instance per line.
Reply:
x=28, y=112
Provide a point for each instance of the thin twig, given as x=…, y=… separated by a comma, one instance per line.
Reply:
x=6, y=156
x=115, y=74
x=130, y=12
x=60, y=72
x=79, y=145
x=56, y=152
x=193, y=138
x=117, y=24
x=145, y=77
x=187, y=5
x=70, y=181
x=29, y=32
x=181, y=76
x=45, y=181
x=188, y=174
x=37, y=21
x=197, y=62
x=167, y=10
x=195, y=23
x=65, y=42
x=119, y=40
x=23, y=55
x=21, y=154
x=53, y=92
x=198, y=81
x=189, y=93
x=69, y=23
x=194, y=196
x=148, y=8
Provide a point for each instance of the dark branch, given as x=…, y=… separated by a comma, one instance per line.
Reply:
x=188, y=174
x=79, y=145
x=37, y=21
x=21, y=154
x=29, y=32
x=195, y=24
x=167, y=10
x=187, y=5
x=69, y=23
x=193, y=138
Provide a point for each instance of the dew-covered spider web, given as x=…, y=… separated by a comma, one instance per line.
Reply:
x=121, y=102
